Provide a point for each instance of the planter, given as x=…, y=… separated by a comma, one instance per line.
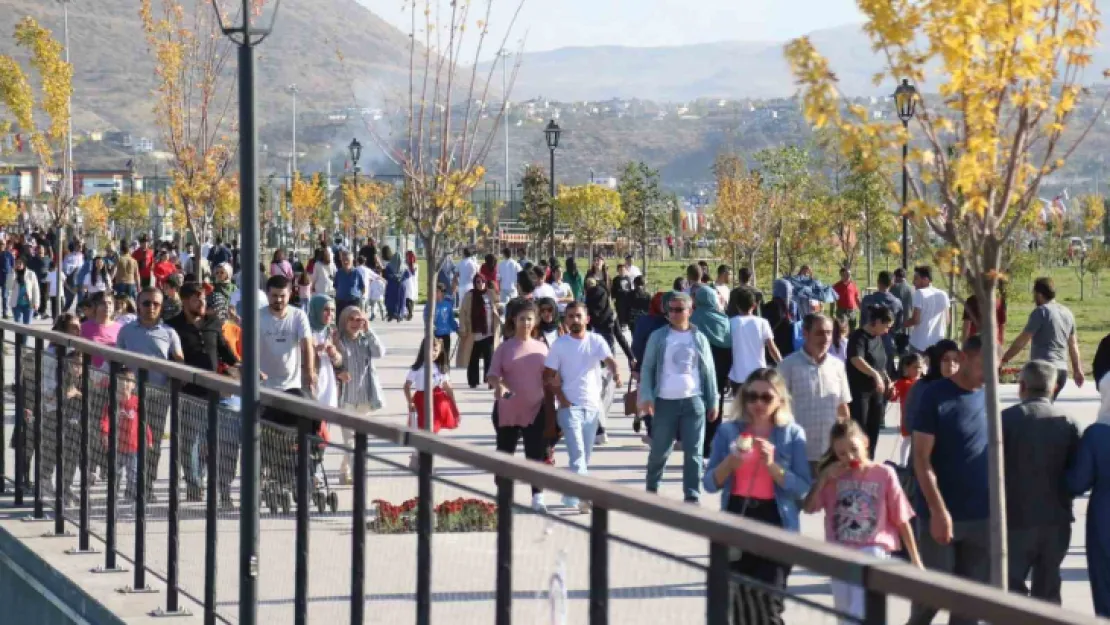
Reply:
x=456, y=516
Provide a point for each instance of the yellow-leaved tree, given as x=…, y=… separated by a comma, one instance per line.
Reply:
x=361, y=214
x=591, y=211
x=307, y=196
x=1006, y=81
x=131, y=213
x=96, y=214
x=1092, y=209
x=9, y=213
x=194, y=105
x=744, y=214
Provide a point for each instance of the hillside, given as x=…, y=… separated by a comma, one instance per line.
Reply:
x=113, y=75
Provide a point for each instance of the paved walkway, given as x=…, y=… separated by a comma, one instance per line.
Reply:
x=646, y=587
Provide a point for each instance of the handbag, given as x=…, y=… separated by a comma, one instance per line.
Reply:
x=631, y=399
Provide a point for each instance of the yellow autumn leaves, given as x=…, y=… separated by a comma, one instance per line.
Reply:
x=591, y=211
x=18, y=96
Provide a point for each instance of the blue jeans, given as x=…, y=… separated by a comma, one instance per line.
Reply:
x=22, y=314
x=579, y=427
x=673, y=416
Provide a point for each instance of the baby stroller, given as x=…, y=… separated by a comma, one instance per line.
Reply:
x=279, y=462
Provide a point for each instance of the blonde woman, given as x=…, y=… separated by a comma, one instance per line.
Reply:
x=758, y=463
x=360, y=389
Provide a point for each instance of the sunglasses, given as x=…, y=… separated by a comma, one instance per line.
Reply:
x=752, y=396
x=150, y=304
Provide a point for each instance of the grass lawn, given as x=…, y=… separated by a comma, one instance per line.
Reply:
x=1092, y=314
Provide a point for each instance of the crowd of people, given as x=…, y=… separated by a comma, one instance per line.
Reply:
x=777, y=405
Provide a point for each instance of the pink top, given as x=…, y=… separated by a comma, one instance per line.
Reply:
x=104, y=334
x=752, y=479
x=865, y=508
x=520, y=365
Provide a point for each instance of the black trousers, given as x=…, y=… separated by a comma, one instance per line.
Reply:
x=1061, y=380
x=446, y=345
x=483, y=349
x=1038, y=552
x=867, y=410
x=750, y=605
x=44, y=288
x=722, y=362
x=535, y=447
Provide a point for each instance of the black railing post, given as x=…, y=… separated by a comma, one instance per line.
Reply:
x=424, y=528
x=304, y=504
x=358, y=534
x=83, y=513
x=3, y=420
x=717, y=596
x=110, y=565
x=213, y=461
x=504, y=610
x=60, y=487
x=140, y=474
x=38, y=513
x=172, y=601
x=599, y=567
x=874, y=606
x=19, y=435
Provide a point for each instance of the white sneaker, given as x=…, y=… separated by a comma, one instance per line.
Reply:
x=602, y=439
x=537, y=503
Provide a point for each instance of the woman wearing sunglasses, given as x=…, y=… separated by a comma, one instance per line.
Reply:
x=758, y=463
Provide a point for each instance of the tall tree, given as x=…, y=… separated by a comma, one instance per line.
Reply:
x=194, y=104
x=786, y=172
x=591, y=211
x=535, y=211
x=1008, y=83
x=744, y=214
x=647, y=215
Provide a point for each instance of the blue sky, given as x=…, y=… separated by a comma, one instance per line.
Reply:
x=551, y=24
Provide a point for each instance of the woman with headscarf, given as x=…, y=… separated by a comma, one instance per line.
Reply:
x=479, y=330
x=360, y=388
x=573, y=278
x=395, y=275
x=411, y=282
x=713, y=323
x=780, y=315
x=1090, y=471
x=321, y=317
x=219, y=300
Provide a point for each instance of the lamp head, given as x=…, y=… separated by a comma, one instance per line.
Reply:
x=551, y=133
x=905, y=99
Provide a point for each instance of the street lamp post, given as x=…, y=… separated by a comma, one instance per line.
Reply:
x=131, y=176
x=246, y=36
x=905, y=99
x=293, y=155
x=355, y=149
x=551, y=133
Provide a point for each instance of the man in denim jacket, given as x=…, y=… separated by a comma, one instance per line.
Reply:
x=678, y=385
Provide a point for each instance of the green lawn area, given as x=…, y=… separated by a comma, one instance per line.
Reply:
x=1092, y=314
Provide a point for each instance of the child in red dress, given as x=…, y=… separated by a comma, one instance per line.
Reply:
x=445, y=413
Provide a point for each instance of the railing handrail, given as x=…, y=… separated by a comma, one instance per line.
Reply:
x=890, y=577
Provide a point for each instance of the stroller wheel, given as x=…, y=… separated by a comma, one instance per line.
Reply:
x=333, y=502
x=318, y=499
x=286, y=502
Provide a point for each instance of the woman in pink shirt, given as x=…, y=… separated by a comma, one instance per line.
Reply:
x=100, y=328
x=516, y=377
x=865, y=507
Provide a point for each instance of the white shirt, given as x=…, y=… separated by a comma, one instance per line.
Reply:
x=576, y=361
x=322, y=276
x=681, y=378
x=376, y=290
x=544, y=290
x=52, y=280
x=562, y=290
x=327, y=388
x=417, y=378
x=367, y=278
x=749, y=339
x=97, y=285
x=633, y=271
x=723, y=293
x=279, y=347
x=507, y=271
x=468, y=268
x=933, y=304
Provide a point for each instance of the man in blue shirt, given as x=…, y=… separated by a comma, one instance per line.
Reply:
x=7, y=260
x=349, y=285
x=950, y=451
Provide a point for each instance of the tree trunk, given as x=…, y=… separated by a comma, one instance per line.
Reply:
x=778, y=247
x=869, y=259
x=997, y=472
x=429, y=325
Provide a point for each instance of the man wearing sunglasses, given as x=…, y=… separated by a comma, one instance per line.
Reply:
x=678, y=386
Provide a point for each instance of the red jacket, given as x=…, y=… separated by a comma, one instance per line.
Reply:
x=162, y=271
x=127, y=429
x=145, y=258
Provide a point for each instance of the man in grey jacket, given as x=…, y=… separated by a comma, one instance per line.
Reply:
x=1039, y=443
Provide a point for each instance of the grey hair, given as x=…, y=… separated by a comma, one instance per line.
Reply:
x=684, y=298
x=1038, y=378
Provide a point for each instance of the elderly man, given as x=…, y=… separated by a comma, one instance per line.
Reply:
x=1039, y=444
x=678, y=386
x=818, y=386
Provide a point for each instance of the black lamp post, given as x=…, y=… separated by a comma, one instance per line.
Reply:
x=131, y=175
x=905, y=99
x=551, y=133
x=356, y=153
x=246, y=36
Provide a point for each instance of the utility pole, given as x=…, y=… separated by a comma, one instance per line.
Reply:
x=66, y=195
x=503, y=54
x=294, y=90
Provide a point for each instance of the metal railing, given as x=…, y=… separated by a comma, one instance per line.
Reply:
x=73, y=418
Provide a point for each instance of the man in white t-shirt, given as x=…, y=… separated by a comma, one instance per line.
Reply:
x=507, y=271
x=285, y=353
x=752, y=339
x=468, y=268
x=723, y=285
x=571, y=369
x=563, y=293
x=929, y=321
x=678, y=386
x=632, y=270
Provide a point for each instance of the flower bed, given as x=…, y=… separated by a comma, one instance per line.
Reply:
x=458, y=515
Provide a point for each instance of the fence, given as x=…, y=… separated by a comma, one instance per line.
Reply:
x=478, y=556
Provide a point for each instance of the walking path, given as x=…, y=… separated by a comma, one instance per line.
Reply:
x=646, y=587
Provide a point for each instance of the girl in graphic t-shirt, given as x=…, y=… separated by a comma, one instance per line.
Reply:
x=445, y=413
x=865, y=508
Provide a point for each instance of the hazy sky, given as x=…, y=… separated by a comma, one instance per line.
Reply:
x=550, y=24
